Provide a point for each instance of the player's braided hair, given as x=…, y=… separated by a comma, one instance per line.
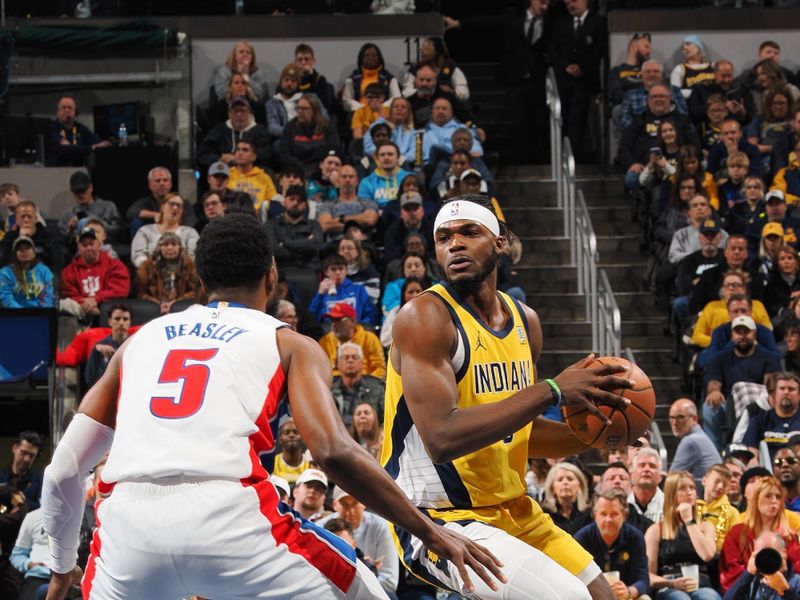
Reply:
x=233, y=252
x=486, y=202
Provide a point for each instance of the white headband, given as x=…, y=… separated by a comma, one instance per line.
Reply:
x=468, y=211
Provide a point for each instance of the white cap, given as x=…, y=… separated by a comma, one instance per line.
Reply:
x=744, y=321
x=312, y=475
x=339, y=493
x=280, y=484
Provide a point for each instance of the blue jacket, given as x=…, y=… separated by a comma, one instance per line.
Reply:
x=721, y=338
x=352, y=293
x=406, y=140
x=381, y=188
x=747, y=587
x=627, y=554
x=37, y=293
x=30, y=485
x=439, y=136
x=718, y=155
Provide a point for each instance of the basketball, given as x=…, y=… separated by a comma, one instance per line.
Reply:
x=626, y=425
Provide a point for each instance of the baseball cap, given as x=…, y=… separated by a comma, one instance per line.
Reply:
x=291, y=70
x=744, y=321
x=79, y=182
x=280, y=483
x=710, y=226
x=473, y=172
x=238, y=100
x=296, y=190
x=334, y=152
x=773, y=228
x=87, y=232
x=340, y=310
x=410, y=198
x=750, y=473
x=339, y=493
x=793, y=439
x=219, y=168
x=312, y=475
x=23, y=239
x=775, y=195
x=740, y=451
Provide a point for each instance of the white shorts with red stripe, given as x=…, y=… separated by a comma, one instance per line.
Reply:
x=171, y=539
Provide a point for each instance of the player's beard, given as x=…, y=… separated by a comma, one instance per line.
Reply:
x=468, y=286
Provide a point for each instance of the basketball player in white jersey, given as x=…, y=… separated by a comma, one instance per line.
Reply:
x=184, y=408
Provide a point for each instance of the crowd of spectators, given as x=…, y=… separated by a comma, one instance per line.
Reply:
x=711, y=162
x=343, y=187
x=347, y=187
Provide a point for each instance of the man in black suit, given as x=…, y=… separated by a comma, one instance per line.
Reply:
x=526, y=32
x=576, y=48
x=526, y=38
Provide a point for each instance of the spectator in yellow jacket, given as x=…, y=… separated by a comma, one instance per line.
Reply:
x=248, y=178
x=787, y=179
x=344, y=328
x=715, y=313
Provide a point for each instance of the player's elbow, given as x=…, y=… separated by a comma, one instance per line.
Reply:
x=441, y=451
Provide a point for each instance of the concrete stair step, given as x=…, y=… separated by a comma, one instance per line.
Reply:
x=478, y=69
x=651, y=328
x=583, y=171
x=578, y=341
x=552, y=362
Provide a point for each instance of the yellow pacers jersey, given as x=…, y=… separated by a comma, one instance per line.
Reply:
x=489, y=366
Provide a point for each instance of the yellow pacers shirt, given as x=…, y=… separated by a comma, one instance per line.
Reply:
x=489, y=366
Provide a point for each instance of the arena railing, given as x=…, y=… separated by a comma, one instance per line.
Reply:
x=554, y=104
x=602, y=311
x=656, y=440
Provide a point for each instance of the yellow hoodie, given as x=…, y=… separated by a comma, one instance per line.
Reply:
x=256, y=183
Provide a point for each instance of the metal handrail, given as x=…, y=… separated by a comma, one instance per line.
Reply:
x=608, y=325
x=554, y=104
x=602, y=311
x=567, y=193
x=656, y=440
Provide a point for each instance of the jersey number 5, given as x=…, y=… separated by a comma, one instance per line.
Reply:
x=195, y=380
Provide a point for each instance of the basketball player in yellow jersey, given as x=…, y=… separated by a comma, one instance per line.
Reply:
x=462, y=418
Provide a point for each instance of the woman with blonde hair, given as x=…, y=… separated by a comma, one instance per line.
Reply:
x=765, y=512
x=680, y=541
x=241, y=59
x=401, y=121
x=566, y=497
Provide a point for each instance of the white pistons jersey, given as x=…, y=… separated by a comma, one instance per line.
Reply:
x=197, y=392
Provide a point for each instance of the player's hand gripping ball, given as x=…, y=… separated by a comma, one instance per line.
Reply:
x=627, y=424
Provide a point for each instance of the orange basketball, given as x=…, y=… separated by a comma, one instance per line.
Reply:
x=626, y=425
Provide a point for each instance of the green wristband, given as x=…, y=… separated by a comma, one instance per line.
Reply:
x=556, y=391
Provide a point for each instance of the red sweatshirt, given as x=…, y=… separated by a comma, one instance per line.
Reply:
x=106, y=279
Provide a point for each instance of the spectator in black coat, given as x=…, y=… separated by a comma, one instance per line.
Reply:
x=731, y=140
x=784, y=283
x=312, y=82
x=220, y=143
x=69, y=142
x=641, y=135
x=308, y=137
x=738, y=100
x=733, y=259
